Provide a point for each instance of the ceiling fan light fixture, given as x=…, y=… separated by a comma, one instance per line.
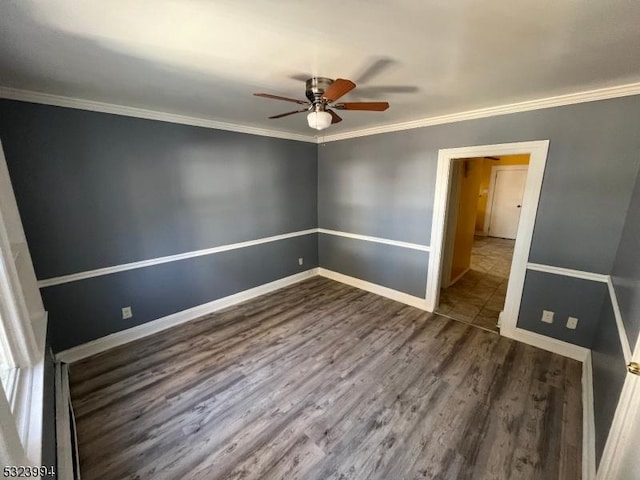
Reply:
x=319, y=120
x=322, y=94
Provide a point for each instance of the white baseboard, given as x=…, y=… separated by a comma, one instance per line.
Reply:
x=588, y=422
x=547, y=343
x=459, y=277
x=120, y=338
x=64, y=444
x=375, y=288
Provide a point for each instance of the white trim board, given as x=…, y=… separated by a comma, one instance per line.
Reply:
x=537, y=104
x=64, y=448
x=537, y=151
x=367, y=238
x=549, y=102
x=549, y=344
x=170, y=258
x=374, y=288
x=622, y=331
x=451, y=282
x=74, y=277
x=114, y=109
x=135, y=333
x=120, y=338
x=567, y=272
x=588, y=422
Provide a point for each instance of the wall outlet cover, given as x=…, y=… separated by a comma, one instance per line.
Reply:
x=126, y=313
x=300, y=261
x=547, y=316
x=572, y=323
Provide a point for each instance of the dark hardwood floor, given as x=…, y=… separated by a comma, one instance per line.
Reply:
x=324, y=381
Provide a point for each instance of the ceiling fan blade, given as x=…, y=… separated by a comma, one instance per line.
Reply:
x=277, y=97
x=288, y=113
x=335, y=118
x=370, y=106
x=337, y=89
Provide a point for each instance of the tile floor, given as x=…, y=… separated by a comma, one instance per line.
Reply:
x=478, y=297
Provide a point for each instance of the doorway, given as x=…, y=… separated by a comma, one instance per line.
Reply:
x=485, y=200
x=502, y=256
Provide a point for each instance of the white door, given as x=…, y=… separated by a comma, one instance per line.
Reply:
x=506, y=191
x=620, y=459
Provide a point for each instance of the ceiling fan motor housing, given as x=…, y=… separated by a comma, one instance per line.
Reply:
x=316, y=87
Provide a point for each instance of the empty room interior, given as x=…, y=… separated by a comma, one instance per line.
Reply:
x=348, y=240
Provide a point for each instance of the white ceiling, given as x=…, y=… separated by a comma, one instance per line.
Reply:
x=205, y=58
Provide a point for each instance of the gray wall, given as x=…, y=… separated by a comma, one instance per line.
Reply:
x=90, y=308
x=96, y=190
x=399, y=268
x=567, y=297
x=383, y=186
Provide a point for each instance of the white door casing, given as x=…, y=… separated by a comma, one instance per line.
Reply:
x=537, y=151
x=505, y=200
x=451, y=223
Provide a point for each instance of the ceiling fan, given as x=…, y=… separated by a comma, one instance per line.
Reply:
x=322, y=94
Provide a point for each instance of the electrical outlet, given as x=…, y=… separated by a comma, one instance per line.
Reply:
x=547, y=316
x=126, y=313
x=300, y=261
x=572, y=323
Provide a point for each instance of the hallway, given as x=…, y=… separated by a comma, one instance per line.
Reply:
x=478, y=297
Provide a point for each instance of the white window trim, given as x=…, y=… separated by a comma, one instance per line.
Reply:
x=22, y=339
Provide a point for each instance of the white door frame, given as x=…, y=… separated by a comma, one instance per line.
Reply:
x=492, y=185
x=537, y=151
x=450, y=233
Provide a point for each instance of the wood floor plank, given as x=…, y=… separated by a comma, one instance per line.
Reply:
x=320, y=380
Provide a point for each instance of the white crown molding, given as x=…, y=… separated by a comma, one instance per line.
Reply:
x=568, y=272
x=367, y=238
x=93, y=106
x=170, y=258
x=549, y=102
